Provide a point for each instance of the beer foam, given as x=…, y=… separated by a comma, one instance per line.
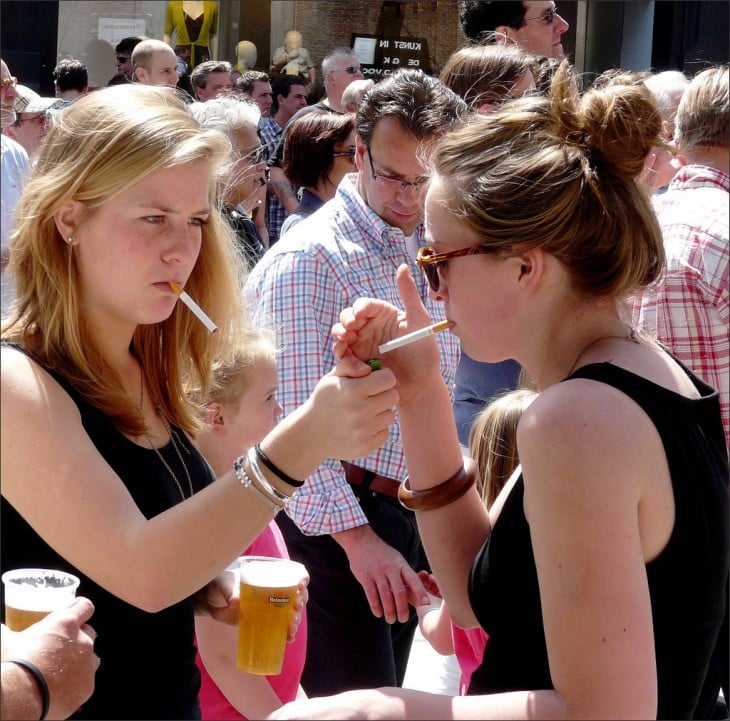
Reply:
x=270, y=574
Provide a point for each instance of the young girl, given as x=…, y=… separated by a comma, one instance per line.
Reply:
x=493, y=445
x=242, y=408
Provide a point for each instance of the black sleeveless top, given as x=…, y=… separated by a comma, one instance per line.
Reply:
x=148, y=668
x=687, y=581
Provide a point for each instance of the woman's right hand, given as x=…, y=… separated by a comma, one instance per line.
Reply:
x=370, y=322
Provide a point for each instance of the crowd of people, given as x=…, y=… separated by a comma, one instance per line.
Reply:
x=542, y=487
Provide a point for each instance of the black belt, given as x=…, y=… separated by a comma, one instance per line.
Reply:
x=370, y=480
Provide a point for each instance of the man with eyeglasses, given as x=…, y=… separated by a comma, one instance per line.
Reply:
x=339, y=69
x=360, y=546
x=534, y=25
x=31, y=122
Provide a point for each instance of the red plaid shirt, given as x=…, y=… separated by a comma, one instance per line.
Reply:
x=687, y=309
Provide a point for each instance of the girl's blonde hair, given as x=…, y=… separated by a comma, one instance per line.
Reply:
x=493, y=440
x=97, y=148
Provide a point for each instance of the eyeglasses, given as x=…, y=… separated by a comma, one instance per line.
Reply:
x=430, y=262
x=257, y=155
x=389, y=180
x=547, y=17
x=349, y=153
x=351, y=70
x=33, y=119
x=121, y=59
x=7, y=82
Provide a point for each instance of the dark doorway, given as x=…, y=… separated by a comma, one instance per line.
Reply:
x=28, y=40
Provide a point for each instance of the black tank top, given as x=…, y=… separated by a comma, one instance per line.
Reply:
x=147, y=666
x=687, y=581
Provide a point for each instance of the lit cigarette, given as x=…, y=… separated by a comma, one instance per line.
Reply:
x=416, y=335
x=197, y=310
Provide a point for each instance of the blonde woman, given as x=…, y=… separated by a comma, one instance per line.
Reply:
x=99, y=473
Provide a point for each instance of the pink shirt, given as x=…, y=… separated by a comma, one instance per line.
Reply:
x=213, y=704
x=469, y=644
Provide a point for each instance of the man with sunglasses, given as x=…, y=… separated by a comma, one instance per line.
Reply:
x=534, y=25
x=361, y=547
x=31, y=122
x=123, y=52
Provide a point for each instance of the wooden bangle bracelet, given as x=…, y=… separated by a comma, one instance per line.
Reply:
x=442, y=494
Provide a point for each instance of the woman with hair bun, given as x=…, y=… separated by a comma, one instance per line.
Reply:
x=600, y=571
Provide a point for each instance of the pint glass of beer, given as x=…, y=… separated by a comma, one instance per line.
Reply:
x=32, y=593
x=268, y=592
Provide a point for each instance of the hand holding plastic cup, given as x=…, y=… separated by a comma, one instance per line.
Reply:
x=267, y=596
x=32, y=593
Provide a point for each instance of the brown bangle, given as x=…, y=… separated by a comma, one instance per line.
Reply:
x=441, y=495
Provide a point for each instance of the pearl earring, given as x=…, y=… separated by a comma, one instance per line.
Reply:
x=70, y=240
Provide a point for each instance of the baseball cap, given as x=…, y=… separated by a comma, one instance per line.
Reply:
x=28, y=101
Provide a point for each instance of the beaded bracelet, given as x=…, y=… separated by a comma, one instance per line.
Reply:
x=40, y=680
x=261, y=478
x=275, y=469
x=246, y=482
x=442, y=494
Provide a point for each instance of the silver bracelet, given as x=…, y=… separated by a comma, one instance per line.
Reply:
x=246, y=482
x=256, y=469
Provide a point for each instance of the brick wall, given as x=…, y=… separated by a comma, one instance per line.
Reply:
x=325, y=24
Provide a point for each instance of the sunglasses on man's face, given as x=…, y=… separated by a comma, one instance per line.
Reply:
x=121, y=59
x=350, y=70
x=547, y=17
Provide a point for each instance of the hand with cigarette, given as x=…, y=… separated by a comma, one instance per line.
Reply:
x=369, y=323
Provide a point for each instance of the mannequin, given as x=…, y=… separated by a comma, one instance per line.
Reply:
x=292, y=59
x=193, y=23
x=247, y=56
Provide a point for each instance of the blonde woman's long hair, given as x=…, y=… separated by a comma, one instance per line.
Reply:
x=97, y=148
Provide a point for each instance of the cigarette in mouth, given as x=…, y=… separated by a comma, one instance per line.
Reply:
x=416, y=335
x=197, y=310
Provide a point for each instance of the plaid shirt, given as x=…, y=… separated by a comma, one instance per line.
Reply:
x=270, y=131
x=324, y=263
x=687, y=310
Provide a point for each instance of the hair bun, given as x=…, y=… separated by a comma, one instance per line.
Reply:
x=618, y=123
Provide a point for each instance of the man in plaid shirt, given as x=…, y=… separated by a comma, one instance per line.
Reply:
x=361, y=547
x=688, y=308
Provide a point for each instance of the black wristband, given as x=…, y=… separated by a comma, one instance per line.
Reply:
x=274, y=469
x=40, y=680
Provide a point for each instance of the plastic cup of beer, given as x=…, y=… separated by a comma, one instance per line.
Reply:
x=268, y=589
x=32, y=593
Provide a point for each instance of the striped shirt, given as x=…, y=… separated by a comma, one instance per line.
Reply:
x=340, y=253
x=688, y=310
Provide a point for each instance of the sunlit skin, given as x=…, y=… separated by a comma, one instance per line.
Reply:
x=536, y=35
x=261, y=95
x=338, y=79
x=128, y=250
x=163, y=70
x=30, y=132
x=9, y=94
x=231, y=427
x=289, y=105
x=217, y=84
x=246, y=177
x=394, y=153
x=473, y=287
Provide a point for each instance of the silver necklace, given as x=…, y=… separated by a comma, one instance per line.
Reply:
x=173, y=439
x=631, y=336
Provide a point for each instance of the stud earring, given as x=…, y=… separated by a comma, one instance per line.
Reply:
x=70, y=240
